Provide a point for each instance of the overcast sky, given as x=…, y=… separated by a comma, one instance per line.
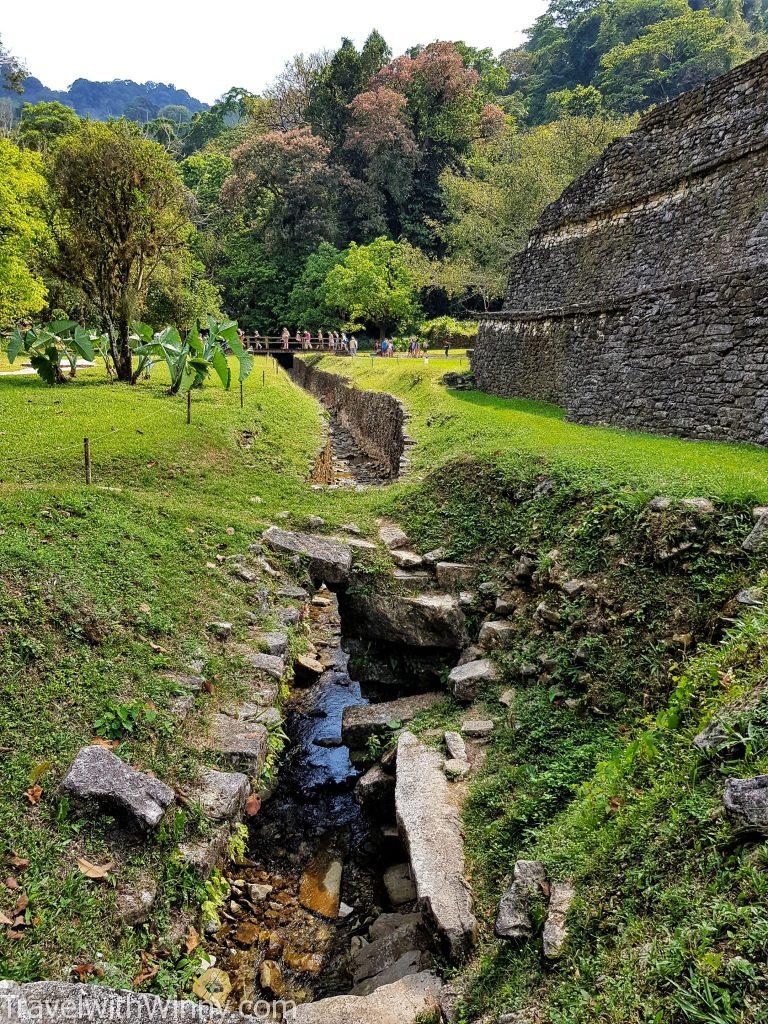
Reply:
x=206, y=47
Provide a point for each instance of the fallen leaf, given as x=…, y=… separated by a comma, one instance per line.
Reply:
x=11, y=883
x=38, y=772
x=21, y=904
x=94, y=871
x=15, y=935
x=157, y=648
x=33, y=794
x=230, y=531
x=149, y=971
x=18, y=862
x=208, y=686
x=193, y=941
x=145, y=608
x=5, y=921
x=98, y=741
x=211, y=565
x=253, y=805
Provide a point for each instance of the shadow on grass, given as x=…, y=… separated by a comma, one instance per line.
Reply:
x=524, y=405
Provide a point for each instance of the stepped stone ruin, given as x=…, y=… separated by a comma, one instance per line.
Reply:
x=641, y=298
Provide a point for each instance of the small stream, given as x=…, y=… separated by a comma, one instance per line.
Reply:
x=290, y=928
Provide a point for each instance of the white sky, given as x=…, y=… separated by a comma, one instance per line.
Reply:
x=206, y=47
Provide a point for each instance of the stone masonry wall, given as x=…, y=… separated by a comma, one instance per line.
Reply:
x=640, y=299
x=375, y=419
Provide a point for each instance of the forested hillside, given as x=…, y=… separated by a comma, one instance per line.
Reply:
x=119, y=98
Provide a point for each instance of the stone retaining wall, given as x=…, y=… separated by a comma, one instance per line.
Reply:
x=375, y=419
x=639, y=300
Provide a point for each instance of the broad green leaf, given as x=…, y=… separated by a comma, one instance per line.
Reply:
x=16, y=345
x=221, y=366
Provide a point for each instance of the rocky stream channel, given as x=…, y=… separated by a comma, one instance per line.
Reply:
x=325, y=903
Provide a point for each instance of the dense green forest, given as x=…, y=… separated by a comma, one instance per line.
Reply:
x=361, y=188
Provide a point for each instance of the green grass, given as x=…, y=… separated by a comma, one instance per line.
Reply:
x=103, y=587
x=450, y=424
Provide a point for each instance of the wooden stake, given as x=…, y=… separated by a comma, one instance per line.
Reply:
x=263, y=377
x=189, y=407
x=87, y=459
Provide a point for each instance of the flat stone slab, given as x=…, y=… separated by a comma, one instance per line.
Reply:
x=757, y=537
x=561, y=896
x=375, y=790
x=392, y=536
x=328, y=561
x=746, y=804
x=456, y=576
x=465, y=679
x=412, y=962
x=99, y=778
x=271, y=664
x=403, y=1002
x=209, y=852
x=429, y=822
x=497, y=633
x=385, y=924
x=274, y=642
x=478, y=728
x=243, y=743
x=399, y=885
x=320, y=884
x=456, y=746
x=405, y=559
x=513, y=920
x=362, y=721
x=374, y=958
x=428, y=620
x=221, y=795
x=53, y=1002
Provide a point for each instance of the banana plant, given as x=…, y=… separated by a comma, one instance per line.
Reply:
x=49, y=345
x=192, y=359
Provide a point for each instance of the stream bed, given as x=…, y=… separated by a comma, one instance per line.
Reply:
x=312, y=884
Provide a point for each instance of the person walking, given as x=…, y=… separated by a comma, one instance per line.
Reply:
x=353, y=346
x=446, y=347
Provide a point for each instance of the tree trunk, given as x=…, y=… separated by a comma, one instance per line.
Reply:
x=122, y=356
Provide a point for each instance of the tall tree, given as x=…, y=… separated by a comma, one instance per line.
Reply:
x=287, y=190
x=42, y=124
x=23, y=234
x=120, y=214
x=12, y=71
x=290, y=92
x=346, y=74
x=378, y=285
x=668, y=59
x=420, y=115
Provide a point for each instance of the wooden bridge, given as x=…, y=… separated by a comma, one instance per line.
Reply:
x=284, y=352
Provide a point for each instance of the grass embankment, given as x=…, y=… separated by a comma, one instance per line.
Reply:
x=593, y=769
x=103, y=587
